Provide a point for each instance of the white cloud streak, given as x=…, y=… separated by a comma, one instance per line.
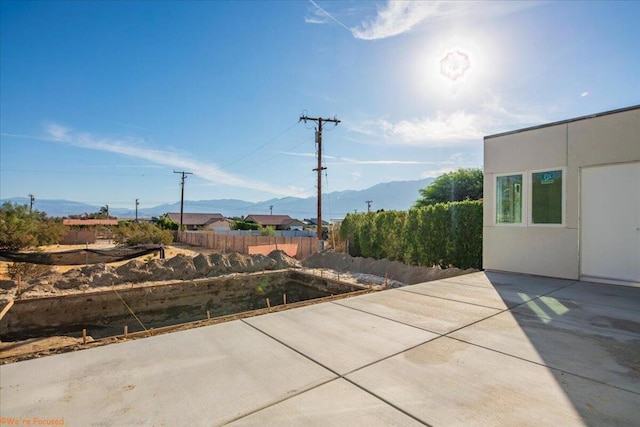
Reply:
x=399, y=17
x=346, y=160
x=135, y=148
x=440, y=130
x=445, y=129
x=321, y=16
x=436, y=173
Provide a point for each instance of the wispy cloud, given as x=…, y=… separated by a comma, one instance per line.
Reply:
x=398, y=17
x=136, y=148
x=321, y=16
x=346, y=160
x=436, y=172
x=447, y=129
x=501, y=117
x=441, y=129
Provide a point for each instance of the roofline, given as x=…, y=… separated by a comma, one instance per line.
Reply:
x=562, y=122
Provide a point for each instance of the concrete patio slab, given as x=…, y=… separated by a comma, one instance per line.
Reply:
x=597, y=293
x=432, y=314
x=494, y=279
x=203, y=376
x=447, y=382
x=339, y=338
x=612, y=358
x=338, y=403
x=562, y=354
x=484, y=296
x=596, y=318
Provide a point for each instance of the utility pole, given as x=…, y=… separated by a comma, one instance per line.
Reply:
x=184, y=176
x=319, y=169
x=271, y=210
x=137, y=210
x=31, y=200
x=107, y=208
x=368, y=202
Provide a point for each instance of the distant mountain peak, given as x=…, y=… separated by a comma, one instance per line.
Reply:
x=394, y=195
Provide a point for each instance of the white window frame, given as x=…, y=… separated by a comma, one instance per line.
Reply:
x=523, y=196
x=564, y=197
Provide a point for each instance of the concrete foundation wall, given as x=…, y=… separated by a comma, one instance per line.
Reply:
x=105, y=313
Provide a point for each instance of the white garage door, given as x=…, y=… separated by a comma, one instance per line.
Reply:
x=610, y=223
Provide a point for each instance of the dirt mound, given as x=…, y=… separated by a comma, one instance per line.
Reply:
x=283, y=260
x=187, y=267
x=179, y=267
x=393, y=270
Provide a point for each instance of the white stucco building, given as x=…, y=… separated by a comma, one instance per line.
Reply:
x=563, y=199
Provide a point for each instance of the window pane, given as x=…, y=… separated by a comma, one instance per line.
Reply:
x=546, y=197
x=509, y=199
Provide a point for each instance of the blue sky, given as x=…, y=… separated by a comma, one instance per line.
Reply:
x=101, y=101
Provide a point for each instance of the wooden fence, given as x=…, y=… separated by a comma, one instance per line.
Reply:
x=225, y=243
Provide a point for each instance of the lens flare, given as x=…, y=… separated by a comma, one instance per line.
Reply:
x=454, y=65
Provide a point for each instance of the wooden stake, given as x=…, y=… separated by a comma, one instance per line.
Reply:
x=208, y=315
x=84, y=336
x=268, y=303
x=126, y=331
x=284, y=299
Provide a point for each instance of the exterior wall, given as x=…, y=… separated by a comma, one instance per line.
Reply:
x=551, y=250
x=79, y=237
x=222, y=224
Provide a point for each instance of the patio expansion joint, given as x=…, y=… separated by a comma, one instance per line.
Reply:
x=338, y=376
x=499, y=312
x=388, y=318
x=449, y=299
x=573, y=374
x=527, y=360
x=486, y=306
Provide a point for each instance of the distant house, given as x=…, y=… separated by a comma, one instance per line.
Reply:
x=76, y=222
x=313, y=223
x=201, y=221
x=279, y=222
x=87, y=231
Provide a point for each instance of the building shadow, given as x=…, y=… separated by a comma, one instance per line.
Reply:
x=586, y=334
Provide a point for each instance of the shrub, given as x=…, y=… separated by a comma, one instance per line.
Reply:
x=22, y=229
x=443, y=234
x=268, y=231
x=142, y=233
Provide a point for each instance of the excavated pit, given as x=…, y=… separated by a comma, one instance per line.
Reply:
x=105, y=313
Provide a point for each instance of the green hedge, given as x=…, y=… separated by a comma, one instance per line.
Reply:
x=444, y=234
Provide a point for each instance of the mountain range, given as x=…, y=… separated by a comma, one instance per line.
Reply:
x=396, y=195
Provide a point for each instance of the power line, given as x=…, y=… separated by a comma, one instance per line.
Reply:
x=260, y=147
x=320, y=168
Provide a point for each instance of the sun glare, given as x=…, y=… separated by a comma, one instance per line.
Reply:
x=453, y=68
